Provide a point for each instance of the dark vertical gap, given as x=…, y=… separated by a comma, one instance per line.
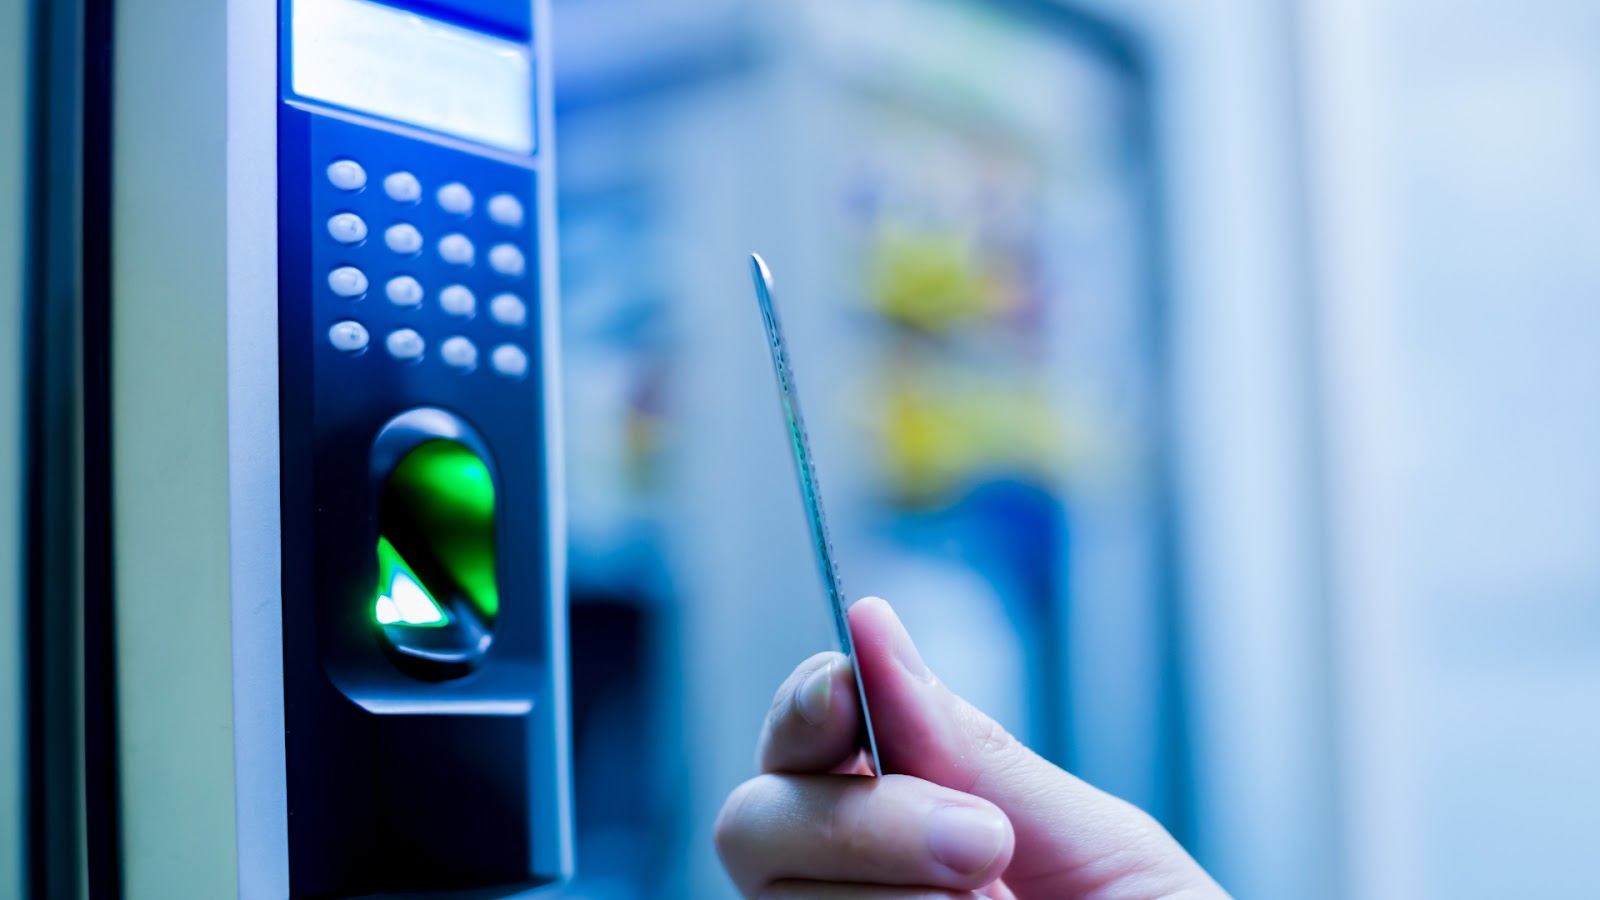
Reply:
x=1296, y=109
x=102, y=809
x=50, y=536
x=1173, y=609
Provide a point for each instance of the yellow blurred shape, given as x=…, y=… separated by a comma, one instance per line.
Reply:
x=935, y=439
x=931, y=281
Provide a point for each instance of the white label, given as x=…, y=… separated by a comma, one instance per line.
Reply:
x=395, y=64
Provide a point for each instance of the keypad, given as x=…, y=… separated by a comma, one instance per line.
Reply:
x=507, y=260
x=456, y=249
x=459, y=353
x=348, y=281
x=351, y=337
x=455, y=198
x=347, y=228
x=437, y=245
x=403, y=239
x=458, y=300
x=402, y=187
x=405, y=344
x=404, y=291
x=508, y=310
x=506, y=210
x=347, y=175
x=509, y=360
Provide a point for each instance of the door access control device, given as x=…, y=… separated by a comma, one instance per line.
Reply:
x=423, y=622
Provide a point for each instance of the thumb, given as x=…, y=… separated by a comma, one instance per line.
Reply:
x=1072, y=839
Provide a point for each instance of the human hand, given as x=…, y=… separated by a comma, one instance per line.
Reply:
x=970, y=813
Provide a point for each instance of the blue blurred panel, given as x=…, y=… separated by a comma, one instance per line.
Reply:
x=511, y=18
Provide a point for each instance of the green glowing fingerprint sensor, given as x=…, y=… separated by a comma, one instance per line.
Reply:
x=436, y=599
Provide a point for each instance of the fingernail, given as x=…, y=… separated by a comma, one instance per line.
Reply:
x=905, y=650
x=964, y=839
x=815, y=696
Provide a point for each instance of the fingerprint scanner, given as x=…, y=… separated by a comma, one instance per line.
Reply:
x=437, y=598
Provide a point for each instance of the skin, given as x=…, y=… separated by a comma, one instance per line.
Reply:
x=970, y=812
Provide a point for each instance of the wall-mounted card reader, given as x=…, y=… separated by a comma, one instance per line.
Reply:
x=423, y=621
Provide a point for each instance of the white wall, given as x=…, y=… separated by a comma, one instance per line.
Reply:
x=170, y=450
x=1440, y=394
x=1226, y=88
x=1455, y=150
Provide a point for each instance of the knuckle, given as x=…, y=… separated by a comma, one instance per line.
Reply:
x=992, y=740
x=996, y=752
x=731, y=829
x=784, y=709
x=848, y=829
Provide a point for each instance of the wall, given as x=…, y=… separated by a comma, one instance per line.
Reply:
x=1456, y=188
x=1246, y=433
x=169, y=450
x=14, y=57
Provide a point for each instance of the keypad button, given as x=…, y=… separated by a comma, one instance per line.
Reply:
x=348, y=281
x=505, y=210
x=403, y=187
x=404, y=291
x=454, y=198
x=347, y=175
x=347, y=228
x=405, y=345
x=456, y=249
x=403, y=239
x=509, y=360
x=457, y=300
x=507, y=260
x=351, y=337
x=509, y=310
x=459, y=353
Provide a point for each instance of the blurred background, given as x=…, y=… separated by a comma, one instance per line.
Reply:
x=1209, y=385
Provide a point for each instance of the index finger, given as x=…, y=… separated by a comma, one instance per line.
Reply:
x=814, y=724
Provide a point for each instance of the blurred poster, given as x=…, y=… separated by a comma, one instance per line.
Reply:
x=959, y=192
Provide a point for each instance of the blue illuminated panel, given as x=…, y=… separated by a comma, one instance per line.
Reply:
x=507, y=19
